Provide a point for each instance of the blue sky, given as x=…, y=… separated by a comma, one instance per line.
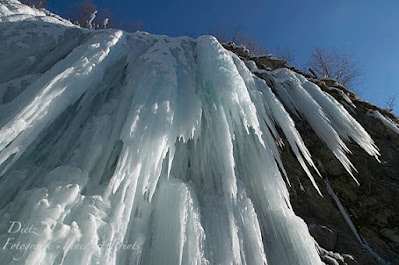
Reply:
x=368, y=28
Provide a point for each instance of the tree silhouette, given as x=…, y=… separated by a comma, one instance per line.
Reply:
x=336, y=64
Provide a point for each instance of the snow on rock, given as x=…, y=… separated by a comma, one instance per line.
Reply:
x=386, y=121
x=343, y=95
x=145, y=149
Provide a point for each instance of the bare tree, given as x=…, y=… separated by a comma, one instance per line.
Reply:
x=284, y=53
x=391, y=102
x=87, y=15
x=35, y=3
x=224, y=35
x=128, y=25
x=337, y=64
x=251, y=43
x=221, y=33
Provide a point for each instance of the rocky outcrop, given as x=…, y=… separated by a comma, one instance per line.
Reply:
x=268, y=61
x=372, y=205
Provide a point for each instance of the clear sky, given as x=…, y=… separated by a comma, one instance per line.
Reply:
x=368, y=28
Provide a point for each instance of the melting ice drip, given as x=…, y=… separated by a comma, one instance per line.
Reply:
x=143, y=149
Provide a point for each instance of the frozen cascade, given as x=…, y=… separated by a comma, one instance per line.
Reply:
x=327, y=117
x=145, y=149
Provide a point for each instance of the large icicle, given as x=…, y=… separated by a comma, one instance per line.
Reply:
x=56, y=90
x=346, y=126
x=328, y=118
x=272, y=111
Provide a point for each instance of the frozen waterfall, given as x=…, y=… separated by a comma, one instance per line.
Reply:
x=120, y=148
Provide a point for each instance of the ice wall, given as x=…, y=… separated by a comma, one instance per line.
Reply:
x=144, y=149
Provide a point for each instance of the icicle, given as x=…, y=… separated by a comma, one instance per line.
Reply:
x=352, y=226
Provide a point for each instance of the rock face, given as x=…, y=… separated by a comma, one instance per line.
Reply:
x=372, y=205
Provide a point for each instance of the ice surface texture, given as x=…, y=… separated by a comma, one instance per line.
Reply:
x=141, y=149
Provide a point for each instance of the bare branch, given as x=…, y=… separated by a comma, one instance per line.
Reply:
x=335, y=64
x=35, y=3
x=391, y=102
x=224, y=36
x=86, y=14
x=285, y=54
